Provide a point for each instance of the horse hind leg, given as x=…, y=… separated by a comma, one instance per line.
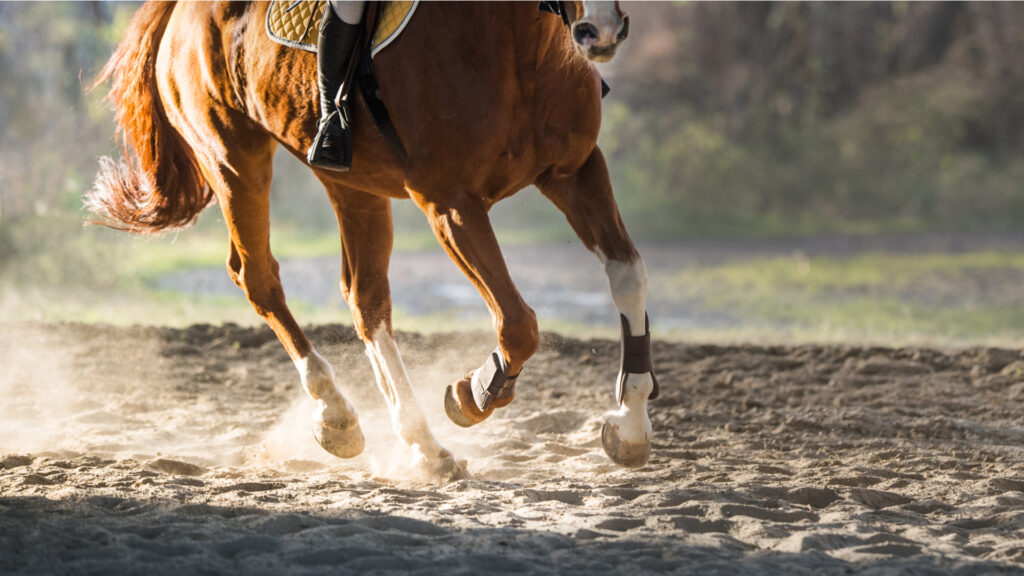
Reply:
x=367, y=237
x=335, y=425
x=240, y=177
x=586, y=200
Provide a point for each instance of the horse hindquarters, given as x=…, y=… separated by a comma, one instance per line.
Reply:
x=235, y=156
x=177, y=130
x=587, y=201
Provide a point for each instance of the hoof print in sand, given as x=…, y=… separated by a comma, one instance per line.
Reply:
x=878, y=499
x=811, y=496
x=15, y=462
x=175, y=467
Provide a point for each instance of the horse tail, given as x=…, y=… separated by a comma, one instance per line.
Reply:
x=159, y=186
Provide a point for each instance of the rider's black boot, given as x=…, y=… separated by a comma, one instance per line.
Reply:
x=332, y=147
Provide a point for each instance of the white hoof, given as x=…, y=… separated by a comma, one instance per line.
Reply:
x=626, y=437
x=626, y=434
x=335, y=422
x=441, y=467
x=340, y=436
x=347, y=443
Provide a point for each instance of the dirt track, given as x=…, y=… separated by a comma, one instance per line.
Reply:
x=169, y=451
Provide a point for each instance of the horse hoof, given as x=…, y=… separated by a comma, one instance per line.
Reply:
x=444, y=468
x=621, y=451
x=460, y=406
x=343, y=443
x=454, y=470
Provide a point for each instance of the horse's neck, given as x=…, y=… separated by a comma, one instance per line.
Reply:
x=511, y=46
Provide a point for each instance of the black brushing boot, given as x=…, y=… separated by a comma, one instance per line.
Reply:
x=332, y=147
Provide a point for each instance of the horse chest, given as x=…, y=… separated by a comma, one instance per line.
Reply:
x=568, y=117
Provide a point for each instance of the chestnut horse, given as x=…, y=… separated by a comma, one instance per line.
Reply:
x=487, y=99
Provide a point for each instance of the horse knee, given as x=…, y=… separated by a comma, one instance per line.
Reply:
x=518, y=335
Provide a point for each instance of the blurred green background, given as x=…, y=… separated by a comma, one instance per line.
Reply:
x=747, y=144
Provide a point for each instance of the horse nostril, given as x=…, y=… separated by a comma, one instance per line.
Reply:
x=624, y=31
x=583, y=31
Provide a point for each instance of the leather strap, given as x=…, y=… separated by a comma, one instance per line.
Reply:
x=492, y=381
x=378, y=111
x=554, y=7
x=636, y=358
x=309, y=21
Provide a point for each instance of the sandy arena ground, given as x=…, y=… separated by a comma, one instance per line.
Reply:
x=150, y=451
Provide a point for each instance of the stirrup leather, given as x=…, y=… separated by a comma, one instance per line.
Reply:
x=636, y=358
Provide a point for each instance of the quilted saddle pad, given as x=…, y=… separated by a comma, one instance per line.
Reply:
x=296, y=23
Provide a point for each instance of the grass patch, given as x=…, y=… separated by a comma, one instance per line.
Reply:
x=58, y=272
x=941, y=299
x=149, y=258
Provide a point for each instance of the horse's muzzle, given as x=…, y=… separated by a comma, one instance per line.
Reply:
x=597, y=43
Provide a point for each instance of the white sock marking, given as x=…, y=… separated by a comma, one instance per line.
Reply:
x=318, y=380
x=407, y=416
x=628, y=282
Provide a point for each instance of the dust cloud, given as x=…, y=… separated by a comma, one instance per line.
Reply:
x=38, y=398
x=60, y=398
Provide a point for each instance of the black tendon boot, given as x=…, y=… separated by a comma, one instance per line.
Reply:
x=332, y=147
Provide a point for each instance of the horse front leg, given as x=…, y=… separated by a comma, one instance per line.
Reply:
x=463, y=228
x=367, y=237
x=588, y=204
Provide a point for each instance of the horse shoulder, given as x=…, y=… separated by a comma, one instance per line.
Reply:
x=567, y=107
